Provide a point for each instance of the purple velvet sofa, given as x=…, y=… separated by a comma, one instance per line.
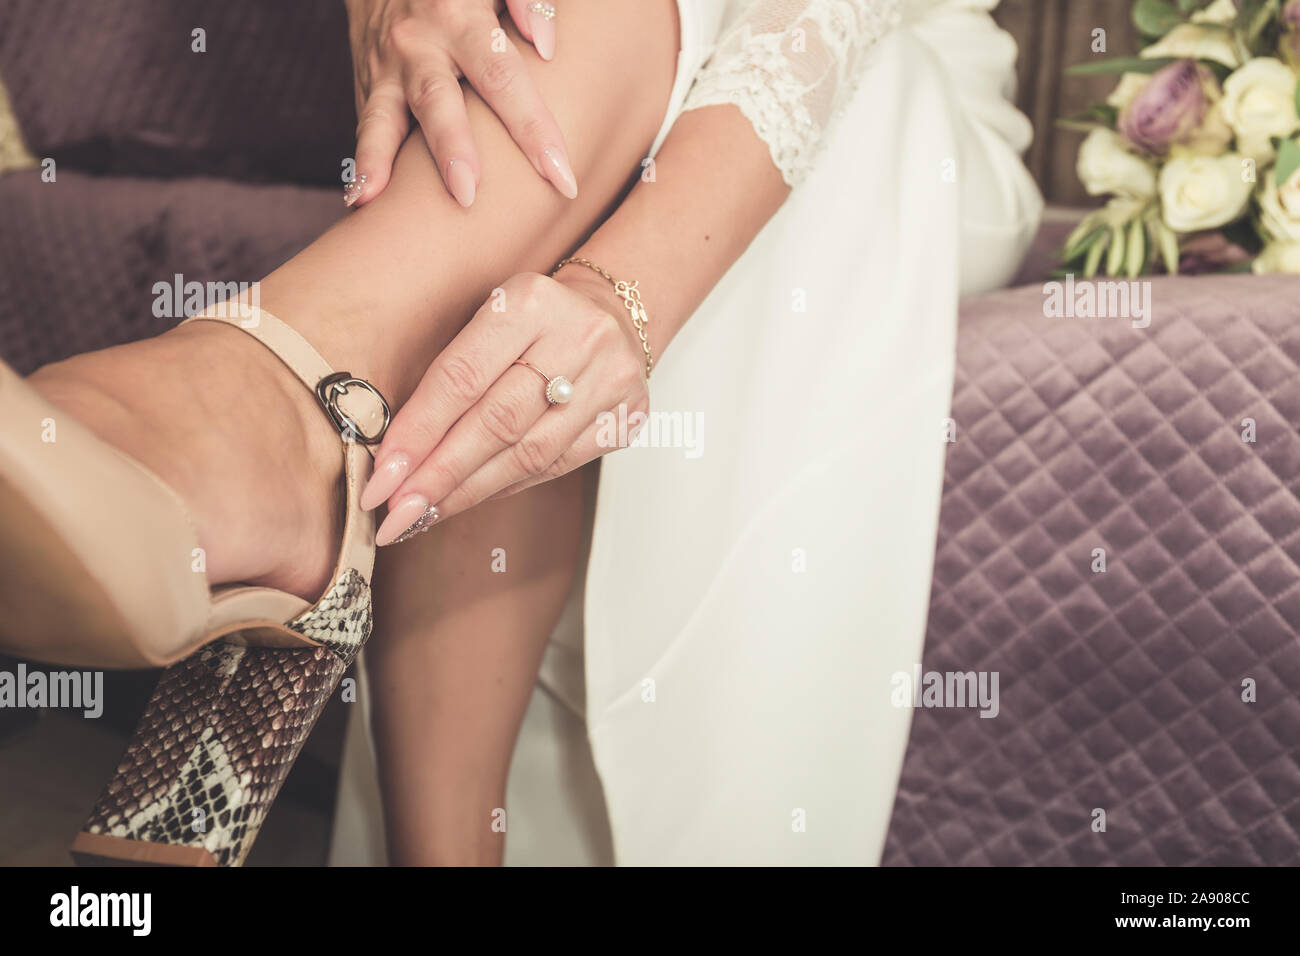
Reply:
x=1162, y=690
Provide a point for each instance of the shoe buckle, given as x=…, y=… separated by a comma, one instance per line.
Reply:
x=331, y=388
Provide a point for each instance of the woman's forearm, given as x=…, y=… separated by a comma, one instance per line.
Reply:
x=386, y=289
x=714, y=187
x=477, y=425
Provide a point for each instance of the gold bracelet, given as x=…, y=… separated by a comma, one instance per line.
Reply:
x=631, y=296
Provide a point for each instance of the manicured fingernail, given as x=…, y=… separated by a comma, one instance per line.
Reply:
x=559, y=172
x=413, y=515
x=390, y=471
x=541, y=17
x=460, y=180
x=352, y=191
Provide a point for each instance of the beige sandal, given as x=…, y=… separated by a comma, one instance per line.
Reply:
x=98, y=562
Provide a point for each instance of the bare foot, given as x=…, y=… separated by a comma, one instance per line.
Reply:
x=221, y=420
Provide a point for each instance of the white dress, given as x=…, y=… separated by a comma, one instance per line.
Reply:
x=748, y=599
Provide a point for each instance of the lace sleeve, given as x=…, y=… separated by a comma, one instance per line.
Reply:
x=790, y=65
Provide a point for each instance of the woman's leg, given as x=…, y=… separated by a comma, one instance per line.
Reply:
x=462, y=619
x=218, y=417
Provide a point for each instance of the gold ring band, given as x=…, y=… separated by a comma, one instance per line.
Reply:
x=545, y=378
x=559, y=390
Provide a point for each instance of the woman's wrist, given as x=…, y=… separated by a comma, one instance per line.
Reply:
x=602, y=291
x=593, y=286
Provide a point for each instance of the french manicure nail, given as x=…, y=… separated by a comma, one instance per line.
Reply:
x=541, y=17
x=460, y=180
x=390, y=471
x=412, y=515
x=352, y=191
x=559, y=172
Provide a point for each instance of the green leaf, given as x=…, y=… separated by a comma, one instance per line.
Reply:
x=1097, y=114
x=1187, y=6
x=1168, y=247
x=1288, y=161
x=1087, y=225
x=1254, y=17
x=1094, y=256
x=1221, y=71
x=1119, y=64
x=1155, y=18
x=1080, y=126
x=1079, y=248
x=1115, y=258
x=1136, y=256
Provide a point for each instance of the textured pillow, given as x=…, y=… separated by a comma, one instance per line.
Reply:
x=81, y=256
x=113, y=86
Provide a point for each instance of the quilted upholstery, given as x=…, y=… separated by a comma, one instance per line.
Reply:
x=80, y=256
x=137, y=129
x=1120, y=690
x=113, y=86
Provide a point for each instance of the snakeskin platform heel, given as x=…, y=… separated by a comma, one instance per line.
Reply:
x=116, y=587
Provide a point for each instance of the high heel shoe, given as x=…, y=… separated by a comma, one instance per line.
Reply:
x=97, y=568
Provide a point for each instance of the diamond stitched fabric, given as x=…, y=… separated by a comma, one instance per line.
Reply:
x=1120, y=691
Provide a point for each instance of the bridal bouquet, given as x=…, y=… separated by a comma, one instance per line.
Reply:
x=1198, y=146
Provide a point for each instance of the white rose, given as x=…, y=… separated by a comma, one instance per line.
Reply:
x=1278, y=257
x=1259, y=102
x=1130, y=85
x=1221, y=12
x=1202, y=192
x=1279, y=209
x=1106, y=166
x=1197, y=41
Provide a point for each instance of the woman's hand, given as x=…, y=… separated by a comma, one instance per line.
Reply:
x=479, y=425
x=408, y=57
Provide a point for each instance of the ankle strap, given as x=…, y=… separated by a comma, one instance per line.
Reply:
x=356, y=407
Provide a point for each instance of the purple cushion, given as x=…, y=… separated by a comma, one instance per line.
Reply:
x=113, y=86
x=1120, y=690
x=82, y=254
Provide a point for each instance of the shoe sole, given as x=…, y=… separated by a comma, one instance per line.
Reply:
x=96, y=849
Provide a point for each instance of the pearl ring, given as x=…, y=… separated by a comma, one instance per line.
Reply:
x=558, y=390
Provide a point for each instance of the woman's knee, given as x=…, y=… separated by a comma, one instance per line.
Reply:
x=608, y=85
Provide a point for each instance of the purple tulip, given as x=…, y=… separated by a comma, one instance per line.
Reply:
x=1168, y=109
x=1291, y=14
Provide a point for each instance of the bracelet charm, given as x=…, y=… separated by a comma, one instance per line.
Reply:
x=631, y=296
